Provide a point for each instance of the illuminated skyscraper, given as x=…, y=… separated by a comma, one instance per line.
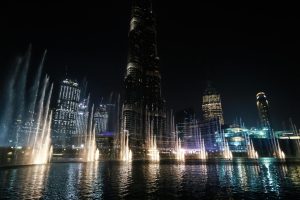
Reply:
x=142, y=80
x=263, y=109
x=64, y=121
x=211, y=104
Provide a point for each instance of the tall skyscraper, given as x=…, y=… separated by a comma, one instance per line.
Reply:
x=142, y=80
x=64, y=121
x=211, y=104
x=263, y=109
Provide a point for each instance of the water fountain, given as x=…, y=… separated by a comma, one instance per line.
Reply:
x=179, y=152
x=125, y=152
x=252, y=154
x=278, y=153
x=25, y=122
x=202, y=154
x=91, y=152
x=227, y=154
x=153, y=152
x=202, y=151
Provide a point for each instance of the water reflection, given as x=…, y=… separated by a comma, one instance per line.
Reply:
x=272, y=174
x=252, y=172
x=74, y=181
x=90, y=183
x=152, y=176
x=239, y=179
x=24, y=183
x=171, y=177
x=72, y=178
x=225, y=174
x=124, y=178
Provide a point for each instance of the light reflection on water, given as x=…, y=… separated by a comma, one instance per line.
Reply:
x=138, y=180
x=125, y=178
x=24, y=183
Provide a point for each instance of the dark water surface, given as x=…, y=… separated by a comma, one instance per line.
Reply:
x=265, y=179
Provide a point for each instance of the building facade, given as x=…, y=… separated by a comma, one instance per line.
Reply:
x=64, y=120
x=82, y=117
x=211, y=105
x=101, y=119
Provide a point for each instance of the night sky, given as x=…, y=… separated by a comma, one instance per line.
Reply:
x=243, y=48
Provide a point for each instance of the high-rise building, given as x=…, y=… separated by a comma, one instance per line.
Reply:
x=272, y=144
x=82, y=116
x=263, y=109
x=211, y=132
x=211, y=104
x=143, y=96
x=64, y=121
x=101, y=119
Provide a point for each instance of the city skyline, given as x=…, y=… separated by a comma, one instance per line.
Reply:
x=151, y=99
x=188, y=64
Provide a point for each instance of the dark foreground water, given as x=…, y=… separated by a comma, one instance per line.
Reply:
x=266, y=179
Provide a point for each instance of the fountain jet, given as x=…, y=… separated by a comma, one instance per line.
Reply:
x=125, y=152
x=252, y=154
x=153, y=152
x=26, y=120
x=202, y=154
x=202, y=151
x=91, y=152
x=179, y=152
x=227, y=154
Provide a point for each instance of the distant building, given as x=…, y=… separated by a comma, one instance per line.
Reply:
x=263, y=109
x=105, y=143
x=210, y=132
x=64, y=120
x=186, y=126
x=211, y=105
x=101, y=119
x=82, y=117
x=237, y=138
x=191, y=131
